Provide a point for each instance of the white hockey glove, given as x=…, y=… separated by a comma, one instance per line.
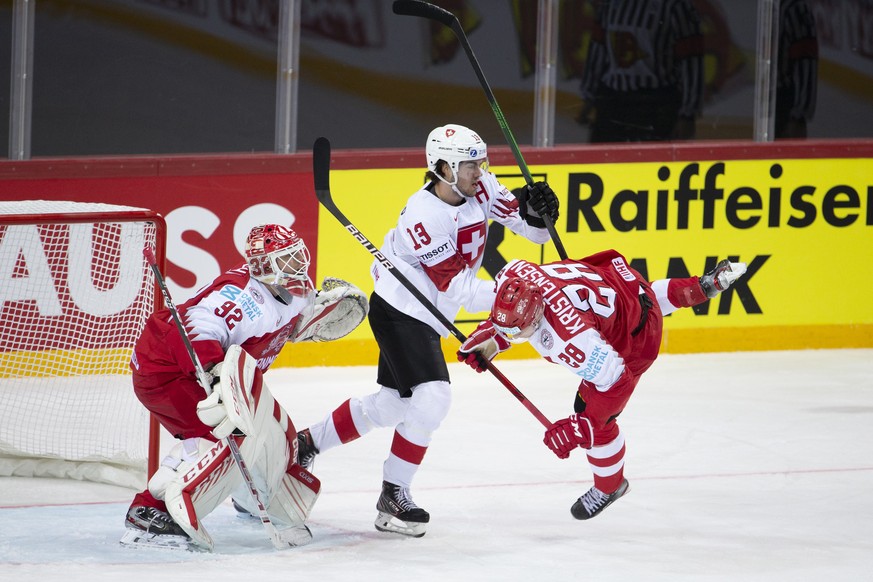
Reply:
x=338, y=309
x=211, y=410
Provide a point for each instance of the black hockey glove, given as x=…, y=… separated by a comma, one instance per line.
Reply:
x=542, y=200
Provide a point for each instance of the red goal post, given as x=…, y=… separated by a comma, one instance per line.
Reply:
x=75, y=293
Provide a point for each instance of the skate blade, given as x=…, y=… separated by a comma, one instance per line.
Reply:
x=134, y=538
x=388, y=523
x=295, y=536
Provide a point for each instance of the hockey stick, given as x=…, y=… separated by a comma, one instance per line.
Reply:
x=204, y=379
x=321, y=172
x=429, y=11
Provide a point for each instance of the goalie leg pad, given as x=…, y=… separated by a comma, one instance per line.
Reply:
x=199, y=488
x=240, y=385
x=295, y=496
x=179, y=459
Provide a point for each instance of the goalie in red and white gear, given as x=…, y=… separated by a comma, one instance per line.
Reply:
x=254, y=308
x=438, y=245
x=600, y=319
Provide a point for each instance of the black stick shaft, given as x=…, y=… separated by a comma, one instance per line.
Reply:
x=429, y=11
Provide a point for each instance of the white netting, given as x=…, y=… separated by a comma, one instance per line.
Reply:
x=74, y=297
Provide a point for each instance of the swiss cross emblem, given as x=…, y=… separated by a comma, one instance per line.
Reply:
x=471, y=242
x=450, y=132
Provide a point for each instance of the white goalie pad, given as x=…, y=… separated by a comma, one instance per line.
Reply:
x=237, y=384
x=201, y=484
x=338, y=309
x=198, y=488
x=293, y=500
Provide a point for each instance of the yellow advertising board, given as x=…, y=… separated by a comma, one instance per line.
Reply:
x=804, y=227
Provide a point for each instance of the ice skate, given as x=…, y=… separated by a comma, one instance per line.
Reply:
x=148, y=526
x=306, y=449
x=721, y=277
x=240, y=510
x=595, y=501
x=398, y=513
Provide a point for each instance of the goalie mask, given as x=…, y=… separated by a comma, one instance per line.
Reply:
x=276, y=255
x=519, y=305
x=454, y=144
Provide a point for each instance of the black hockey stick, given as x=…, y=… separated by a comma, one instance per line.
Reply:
x=204, y=380
x=426, y=10
x=321, y=171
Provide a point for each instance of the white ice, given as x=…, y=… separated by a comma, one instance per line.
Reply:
x=743, y=466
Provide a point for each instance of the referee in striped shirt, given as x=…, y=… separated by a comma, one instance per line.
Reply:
x=796, y=70
x=643, y=78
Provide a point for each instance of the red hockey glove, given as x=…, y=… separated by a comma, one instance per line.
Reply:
x=481, y=347
x=567, y=434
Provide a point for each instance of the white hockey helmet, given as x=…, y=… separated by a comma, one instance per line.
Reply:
x=276, y=255
x=454, y=144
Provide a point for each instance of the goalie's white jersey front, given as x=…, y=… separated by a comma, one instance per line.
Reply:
x=440, y=247
x=235, y=309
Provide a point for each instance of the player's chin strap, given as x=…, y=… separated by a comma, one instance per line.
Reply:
x=454, y=184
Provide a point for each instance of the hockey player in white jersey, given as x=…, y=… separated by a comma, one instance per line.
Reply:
x=438, y=245
x=237, y=326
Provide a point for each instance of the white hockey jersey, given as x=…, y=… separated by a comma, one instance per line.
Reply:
x=439, y=248
x=234, y=309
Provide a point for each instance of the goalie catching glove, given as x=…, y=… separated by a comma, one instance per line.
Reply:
x=338, y=309
x=481, y=347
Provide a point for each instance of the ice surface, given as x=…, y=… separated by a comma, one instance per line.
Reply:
x=742, y=466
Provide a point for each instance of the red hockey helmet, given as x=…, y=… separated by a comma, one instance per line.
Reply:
x=276, y=255
x=519, y=305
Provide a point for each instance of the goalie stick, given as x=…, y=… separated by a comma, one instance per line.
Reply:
x=321, y=172
x=431, y=12
x=204, y=379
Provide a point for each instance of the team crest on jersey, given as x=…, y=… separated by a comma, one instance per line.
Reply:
x=547, y=340
x=471, y=241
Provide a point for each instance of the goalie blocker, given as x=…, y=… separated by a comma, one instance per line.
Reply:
x=198, y=474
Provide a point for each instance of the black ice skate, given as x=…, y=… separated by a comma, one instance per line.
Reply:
x=398, y=513
x=722, y=277
x=595, y=501
x=148, y=526
x=306, y=449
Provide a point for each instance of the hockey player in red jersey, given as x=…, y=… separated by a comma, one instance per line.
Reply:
x=258, y=306
x=600, y=319
x=438, y=245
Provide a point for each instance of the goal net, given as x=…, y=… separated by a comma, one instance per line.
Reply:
x=75, y=293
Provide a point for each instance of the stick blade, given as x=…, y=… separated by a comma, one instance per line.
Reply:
x=321, y=164
x=424, y=10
